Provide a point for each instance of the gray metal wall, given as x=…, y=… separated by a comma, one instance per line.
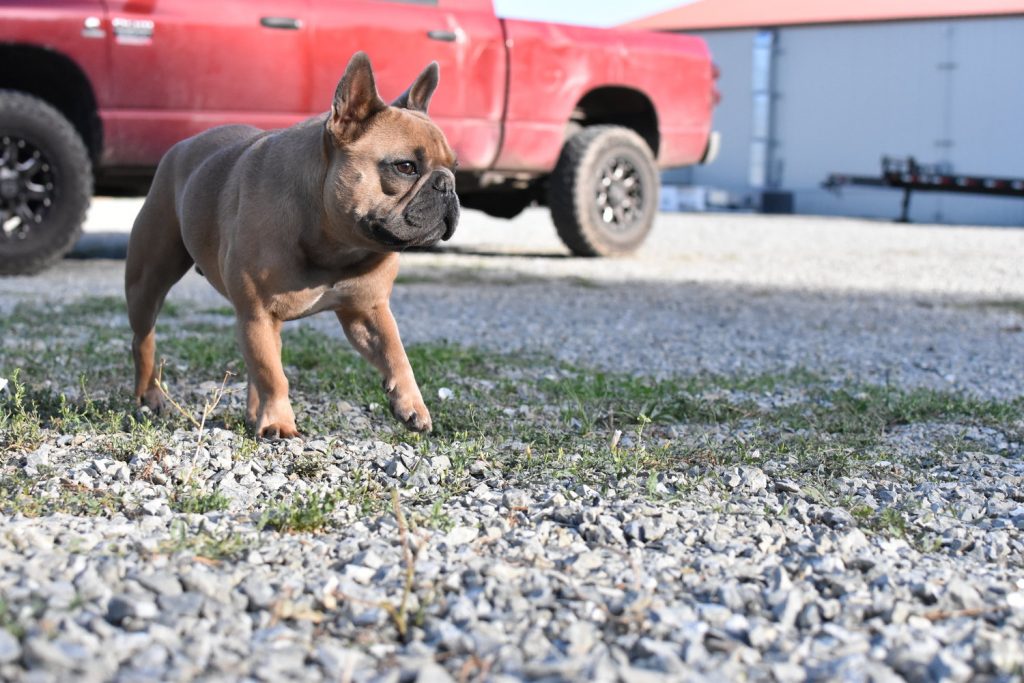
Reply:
x=942, y=91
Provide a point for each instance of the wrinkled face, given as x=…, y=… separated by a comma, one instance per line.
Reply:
x=396, y=182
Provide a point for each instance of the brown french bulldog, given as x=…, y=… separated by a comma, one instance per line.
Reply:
x=292, y=222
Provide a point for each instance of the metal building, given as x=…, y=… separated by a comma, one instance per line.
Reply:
x=814, y=87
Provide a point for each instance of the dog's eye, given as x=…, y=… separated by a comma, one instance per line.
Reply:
x=406, y=167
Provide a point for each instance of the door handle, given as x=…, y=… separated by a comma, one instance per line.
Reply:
x=287, y=23
x=446, y=36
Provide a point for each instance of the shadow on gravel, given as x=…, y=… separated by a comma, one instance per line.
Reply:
x=491, y=253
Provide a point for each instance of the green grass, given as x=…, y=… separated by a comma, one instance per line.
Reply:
x=194, y=500
x=1010, y=305
x=20, y=428
x=205, y=544
x=529, y=417
x=305, y=513
x=18, y=496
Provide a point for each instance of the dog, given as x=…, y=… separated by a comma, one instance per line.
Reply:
x=292, y=222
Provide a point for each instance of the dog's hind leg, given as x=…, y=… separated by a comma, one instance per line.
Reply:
x=157, y=258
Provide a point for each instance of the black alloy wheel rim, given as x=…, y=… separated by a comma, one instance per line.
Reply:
x=619, y=195
x=26, y=188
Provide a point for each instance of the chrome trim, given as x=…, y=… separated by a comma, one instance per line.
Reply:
x=92, y=27
x=132, y=30
x=713, y=148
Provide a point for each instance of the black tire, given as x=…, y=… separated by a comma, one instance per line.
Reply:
x=603, y=192
x=45, y=184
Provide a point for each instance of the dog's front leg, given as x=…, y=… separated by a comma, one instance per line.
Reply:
x=269, y=412
x=374, y=333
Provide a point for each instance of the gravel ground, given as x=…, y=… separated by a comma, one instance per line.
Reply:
x=918, y=305
x=764, y=546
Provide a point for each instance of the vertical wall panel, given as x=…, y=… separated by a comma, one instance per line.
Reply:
x=942, y=91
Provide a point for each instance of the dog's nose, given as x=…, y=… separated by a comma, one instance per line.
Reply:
x=443, y=182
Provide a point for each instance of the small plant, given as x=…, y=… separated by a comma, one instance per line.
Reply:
x=141, y=435
x=208, y=407
x=19, y=425
x=17, y=496
x=9, y=620
x=309, y=513
x=439, y=519
x=893, y=522
x=195, y=501
x=203, y=544
x=309, y=465
x=399, y=614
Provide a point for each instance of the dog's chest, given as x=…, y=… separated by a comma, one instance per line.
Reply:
x=329, y=298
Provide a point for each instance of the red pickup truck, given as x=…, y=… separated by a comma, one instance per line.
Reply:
x=93, y=92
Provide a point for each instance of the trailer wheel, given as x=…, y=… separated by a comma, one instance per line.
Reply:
x=603, y=192
x=45, y=184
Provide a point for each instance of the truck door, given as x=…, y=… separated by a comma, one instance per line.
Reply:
x=402, y=37
x=179, y=67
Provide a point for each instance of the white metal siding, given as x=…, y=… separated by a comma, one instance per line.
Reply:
x=942, y=91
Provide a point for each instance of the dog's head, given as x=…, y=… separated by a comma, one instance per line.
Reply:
x=390, y=173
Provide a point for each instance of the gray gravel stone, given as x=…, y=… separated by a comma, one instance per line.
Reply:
x=123, y=607
x=10, y=648
x=900, y=561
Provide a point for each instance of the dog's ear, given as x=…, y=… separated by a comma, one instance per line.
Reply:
x=417, y=97
x=356, y=99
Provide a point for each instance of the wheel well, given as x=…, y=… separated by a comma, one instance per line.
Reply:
x=56, y=79
x=619, y=106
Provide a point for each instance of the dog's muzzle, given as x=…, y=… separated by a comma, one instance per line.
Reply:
x=434, y=211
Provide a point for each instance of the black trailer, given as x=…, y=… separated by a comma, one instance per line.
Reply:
x=908, y=175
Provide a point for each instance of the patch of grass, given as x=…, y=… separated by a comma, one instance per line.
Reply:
x=202, y=355
x=90, y=307
x=18, y=496
x=365, y=493
x=309, y=465
x=20, y=426
x=29, y=411
x=614, y=399
x=226, y=311
x=195, y=501
x=525, y=416
x=305, y=513
x=9, y=620
x=202, y=543
x=1010, y=305
x=141, y=435
x=439, y=519
x=247, y=446
x=863, y=414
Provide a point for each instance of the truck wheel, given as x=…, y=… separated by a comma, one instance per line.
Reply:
x=603, y=192
x=45, y=184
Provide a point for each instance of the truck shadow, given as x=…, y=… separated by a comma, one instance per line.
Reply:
x=107, y=245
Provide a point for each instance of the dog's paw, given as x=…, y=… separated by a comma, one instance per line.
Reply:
x=413, y=414
x=277, y=421
x=152, y=399
x=277, y=431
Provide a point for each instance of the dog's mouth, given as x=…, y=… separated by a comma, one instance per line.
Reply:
x=387, y=238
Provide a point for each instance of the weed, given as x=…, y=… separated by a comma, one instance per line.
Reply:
x=194, y=500
x=19, y=426
x=309, y=465
x=306, y=513
x=399, y=613
x=9, y=620
x=204, y=544
x=18, y=496
x=208, y=407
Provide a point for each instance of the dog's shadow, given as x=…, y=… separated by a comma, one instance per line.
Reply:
x=490, y=253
